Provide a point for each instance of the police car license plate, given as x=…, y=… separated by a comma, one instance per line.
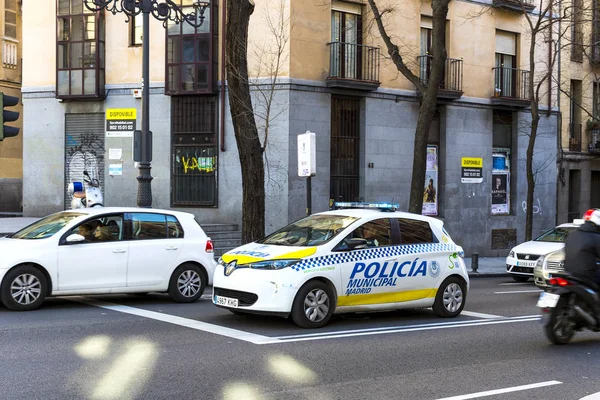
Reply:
x=547, y=300
x=226, y=301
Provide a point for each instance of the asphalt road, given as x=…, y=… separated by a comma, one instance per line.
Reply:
x=146, y=347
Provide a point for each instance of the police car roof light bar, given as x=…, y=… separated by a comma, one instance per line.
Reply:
x=357, y=204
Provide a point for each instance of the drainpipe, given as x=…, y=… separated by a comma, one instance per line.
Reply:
x=550, y=60
x=559, y=119
x=223, y=41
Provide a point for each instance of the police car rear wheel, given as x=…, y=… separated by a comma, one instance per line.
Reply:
x=450, y=298
x=312, y=306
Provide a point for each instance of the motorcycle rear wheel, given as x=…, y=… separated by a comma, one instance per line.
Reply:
x=560, y=328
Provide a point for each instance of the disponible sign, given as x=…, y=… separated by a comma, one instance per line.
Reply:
x=471, y=170
x=307, y=154
x=120, y=122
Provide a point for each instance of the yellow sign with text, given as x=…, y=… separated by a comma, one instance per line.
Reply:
x=113, y=114
x=470, y=162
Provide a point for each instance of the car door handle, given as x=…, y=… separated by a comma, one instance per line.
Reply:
x=119, y=251
x=171, y=247
x=391, y=259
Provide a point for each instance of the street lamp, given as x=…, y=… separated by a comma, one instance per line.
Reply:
x=165, y=11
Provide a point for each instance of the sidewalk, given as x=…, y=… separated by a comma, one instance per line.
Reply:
x=488, y=266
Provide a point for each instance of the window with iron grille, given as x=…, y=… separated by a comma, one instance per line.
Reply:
x=79, y=51
x=190, y=59
x=345, y=148
x=194, y=151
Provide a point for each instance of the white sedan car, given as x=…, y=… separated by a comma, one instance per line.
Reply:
x=105, y=250
x=523, y=258
x=345, y=261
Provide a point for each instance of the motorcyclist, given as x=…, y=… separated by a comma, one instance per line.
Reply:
x=582, y=248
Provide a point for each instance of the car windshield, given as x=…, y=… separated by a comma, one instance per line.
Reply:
x=555, y=235
x=310, y=231
x=46, y=227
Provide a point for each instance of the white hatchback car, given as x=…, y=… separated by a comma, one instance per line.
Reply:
x=105, y=250
x=523, y=258
x=346, y=260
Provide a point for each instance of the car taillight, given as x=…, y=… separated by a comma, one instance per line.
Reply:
x=559, y=282
x=209, y=246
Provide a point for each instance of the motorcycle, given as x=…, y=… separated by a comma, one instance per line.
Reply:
x=87, y=193
x=569, y=305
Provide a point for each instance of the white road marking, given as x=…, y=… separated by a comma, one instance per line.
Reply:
x=206, y=296
x=593, y=396
x=171, y=319
x=409, y=328
x=480, y=315
x=260, y=339
x=501, y=391
x=520, y=291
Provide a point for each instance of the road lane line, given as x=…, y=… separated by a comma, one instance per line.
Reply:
x=519, y=291
x=480, y=315
x=282, y=339
x=171, y=319
x=260, y=339
x=387, y=328
x=501, y=391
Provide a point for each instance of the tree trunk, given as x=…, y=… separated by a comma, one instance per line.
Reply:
x=428, y=105
x=428, y=92
x=535, y=119
x=244, y=125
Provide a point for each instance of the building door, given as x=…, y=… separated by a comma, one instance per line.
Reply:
x=595, y=195
x=345, y=148
x=194, y=151
x=574, y=194
x=84, y=149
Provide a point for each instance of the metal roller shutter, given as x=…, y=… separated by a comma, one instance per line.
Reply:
x=84, y=149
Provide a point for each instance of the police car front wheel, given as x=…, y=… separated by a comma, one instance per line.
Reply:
x=313, y=305
x=450, y=298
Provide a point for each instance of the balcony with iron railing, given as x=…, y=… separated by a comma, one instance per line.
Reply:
x=594, y=145
x=353, y=66
x=515, y=5
x=451, y=86
x=575, y=137
x=511, y=87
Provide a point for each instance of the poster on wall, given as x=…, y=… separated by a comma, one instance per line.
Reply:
x=430, y=198
x=500, y=193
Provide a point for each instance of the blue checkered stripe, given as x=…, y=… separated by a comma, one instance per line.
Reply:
x=370, y=254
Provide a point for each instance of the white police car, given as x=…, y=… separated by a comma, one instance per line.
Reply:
x=346, y=260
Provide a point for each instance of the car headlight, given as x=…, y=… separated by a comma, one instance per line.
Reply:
x=511, y=254
x=273, y=264
x=539, y=263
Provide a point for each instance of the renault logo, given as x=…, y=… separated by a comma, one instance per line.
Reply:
x=230, y=267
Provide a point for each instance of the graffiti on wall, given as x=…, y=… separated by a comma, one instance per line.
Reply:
x=84, y=152
x=537, y=207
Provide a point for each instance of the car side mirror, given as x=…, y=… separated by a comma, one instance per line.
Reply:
x=75, y=238
x=356, y=243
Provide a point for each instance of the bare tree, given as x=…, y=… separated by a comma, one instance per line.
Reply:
x=246, y=133
x=271, y=54
x=428, y=90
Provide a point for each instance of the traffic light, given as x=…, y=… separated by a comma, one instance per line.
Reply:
x=8, y=116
